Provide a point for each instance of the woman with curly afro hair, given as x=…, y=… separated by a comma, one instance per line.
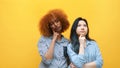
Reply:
x=52, y=42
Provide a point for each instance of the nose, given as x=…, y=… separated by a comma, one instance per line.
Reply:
x=82, y=28
x=55, y=23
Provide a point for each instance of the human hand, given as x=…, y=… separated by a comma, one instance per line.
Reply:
x=72, y=65
x=82, y=41
x=55, y=35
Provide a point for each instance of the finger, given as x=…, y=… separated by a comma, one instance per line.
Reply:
x=82, y=35
x=54, y=32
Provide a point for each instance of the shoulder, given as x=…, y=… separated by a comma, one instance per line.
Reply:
x=43, y=39
x=69, y=46
x=65, y=39
x=93, y=43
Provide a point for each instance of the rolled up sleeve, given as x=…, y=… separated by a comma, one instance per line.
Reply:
x=77, y=59
x=42, y=48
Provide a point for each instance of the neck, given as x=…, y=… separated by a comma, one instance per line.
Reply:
x=59, y=37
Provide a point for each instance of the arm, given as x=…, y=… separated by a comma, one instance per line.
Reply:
x=98, y=62
x=42, y=47
x=82, y=41
x=77, y=59
x=50, y=51
x=90, y=65
x=45, y=51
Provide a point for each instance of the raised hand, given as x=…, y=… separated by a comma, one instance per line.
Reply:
x=82, y=41
x=72, y=65
x=55, y=35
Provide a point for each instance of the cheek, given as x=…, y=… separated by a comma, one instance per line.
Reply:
x=52, y=27
x=60, y=25
x=77, y=31
x=86, y=31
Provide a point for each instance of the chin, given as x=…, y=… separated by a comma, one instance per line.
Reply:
x=58, y=31
x=82, y=34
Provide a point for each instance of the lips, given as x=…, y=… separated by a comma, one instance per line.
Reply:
x=57, y=29
x=82, y=31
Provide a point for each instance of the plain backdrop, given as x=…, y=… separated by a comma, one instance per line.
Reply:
x=19, y=32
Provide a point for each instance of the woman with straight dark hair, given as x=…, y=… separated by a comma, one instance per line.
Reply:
x=83, y=51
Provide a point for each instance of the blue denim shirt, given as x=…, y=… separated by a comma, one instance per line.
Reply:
x=58, y=61
x=92, y=53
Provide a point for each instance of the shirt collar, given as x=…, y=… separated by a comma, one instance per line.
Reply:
x=88, y=42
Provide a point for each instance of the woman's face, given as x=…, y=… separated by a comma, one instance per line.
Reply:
x=81, y=28
x=55, y=25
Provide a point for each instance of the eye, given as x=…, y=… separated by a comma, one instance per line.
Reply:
x=51, y=24
x=56, y=20
x=79, y=25
x=85, y=25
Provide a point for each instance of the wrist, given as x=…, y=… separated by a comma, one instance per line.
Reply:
x=81, y=46
x=53, y=40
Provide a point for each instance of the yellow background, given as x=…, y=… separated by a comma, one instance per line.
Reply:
x=19, y=28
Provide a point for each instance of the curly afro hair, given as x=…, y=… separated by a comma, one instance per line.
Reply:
x=44, y=27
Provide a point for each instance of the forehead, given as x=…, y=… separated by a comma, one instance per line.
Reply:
x=81, y=22
x=51, y=19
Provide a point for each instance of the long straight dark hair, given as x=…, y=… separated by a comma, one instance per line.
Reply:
x=73, y=35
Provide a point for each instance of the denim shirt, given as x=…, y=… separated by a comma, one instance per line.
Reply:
x=91, y=53
x=58, y=61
